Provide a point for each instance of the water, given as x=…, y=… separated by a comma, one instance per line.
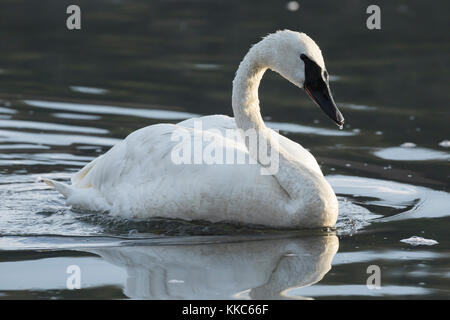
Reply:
x=67, y=97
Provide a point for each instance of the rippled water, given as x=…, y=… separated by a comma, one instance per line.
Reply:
x=66, y=98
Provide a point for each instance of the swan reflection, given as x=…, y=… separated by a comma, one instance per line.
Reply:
x=258, y=269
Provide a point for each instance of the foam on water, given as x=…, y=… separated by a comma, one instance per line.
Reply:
x=419, y=241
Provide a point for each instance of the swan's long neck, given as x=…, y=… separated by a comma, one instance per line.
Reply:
x=245, y=100
x=247, y=115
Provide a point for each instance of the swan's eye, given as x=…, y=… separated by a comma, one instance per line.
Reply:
x=325, y=75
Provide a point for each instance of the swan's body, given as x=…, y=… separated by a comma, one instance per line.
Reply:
x=138, y=178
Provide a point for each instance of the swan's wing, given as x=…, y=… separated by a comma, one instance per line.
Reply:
x=153, y=153
x=144, y=151
x=223, y=123
x=148, y=152
x=297, y=152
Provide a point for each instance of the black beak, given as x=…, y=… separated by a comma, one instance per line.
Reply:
x=317, y=86
x=322, y=96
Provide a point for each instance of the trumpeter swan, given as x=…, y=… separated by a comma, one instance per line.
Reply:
x=139, y=177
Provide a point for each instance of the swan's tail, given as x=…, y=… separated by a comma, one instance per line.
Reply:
x=62, y=188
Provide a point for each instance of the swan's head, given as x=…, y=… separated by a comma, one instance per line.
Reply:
x=299, y=59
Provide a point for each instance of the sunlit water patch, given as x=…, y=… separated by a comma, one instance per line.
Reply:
x=111, y=110
x=77, y=116
x=359, y=107
x=7, y=110
x=396, y=200
x=54, y=139
x=411, y=154
x=88, y=90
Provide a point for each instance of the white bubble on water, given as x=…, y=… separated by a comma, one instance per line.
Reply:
x=175, y=281
x=292, y=6
x=417, y=241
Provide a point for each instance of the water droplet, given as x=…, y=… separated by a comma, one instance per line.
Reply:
x=292, y=6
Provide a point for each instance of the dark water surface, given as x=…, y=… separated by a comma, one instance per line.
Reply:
x=67, y=96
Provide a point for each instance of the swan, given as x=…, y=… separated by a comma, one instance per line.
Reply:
x=138, y=177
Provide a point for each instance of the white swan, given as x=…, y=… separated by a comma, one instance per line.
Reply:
x=138, y=177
